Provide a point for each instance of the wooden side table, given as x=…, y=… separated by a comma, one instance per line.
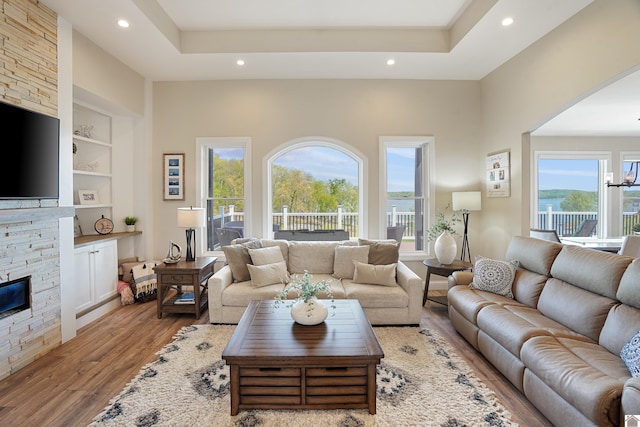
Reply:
x=434, y=267
x=184, y=273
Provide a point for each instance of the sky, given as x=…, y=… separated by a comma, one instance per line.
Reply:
x=556, y=174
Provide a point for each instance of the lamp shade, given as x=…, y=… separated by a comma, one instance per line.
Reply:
x=191, y=217
x=466, y=200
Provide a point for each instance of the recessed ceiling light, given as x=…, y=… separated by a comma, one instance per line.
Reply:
x=123, y=23
x=507, y=21
x=240, y=62
x=391, y=61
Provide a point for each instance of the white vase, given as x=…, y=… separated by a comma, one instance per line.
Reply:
x=131, y=228
x=445, y=248
x=309, y=313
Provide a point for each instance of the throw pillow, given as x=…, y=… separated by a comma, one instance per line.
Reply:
x=268, y=274
x=630, y=355
x=382, y=252
x=238, y=257
x=264, y=256
x=369, y=274
x=343, y=261
x=494, y=276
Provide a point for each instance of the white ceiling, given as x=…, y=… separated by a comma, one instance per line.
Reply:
x=311, y=39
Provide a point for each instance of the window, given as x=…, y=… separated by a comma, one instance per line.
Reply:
x=630, y=195
x=570, y=193
x=225, y=173
x=315, y=184
x=404, y=177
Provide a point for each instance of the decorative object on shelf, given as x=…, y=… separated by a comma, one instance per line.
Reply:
x=75, y=148
x=103, y=225
x=173, y=254
x=173, y=173
x=84, y=131
x=628, y=180
x=498, y=176
x=445, y=248
x=88, y=197
x=130, y=222
x=306, y=309
x=466, y=201
x=77, y=230
x=87, y=167
x=191, y=218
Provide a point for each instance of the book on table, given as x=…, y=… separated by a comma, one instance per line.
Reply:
x=186, y=298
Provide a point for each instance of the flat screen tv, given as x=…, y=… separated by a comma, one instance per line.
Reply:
x=30, y=151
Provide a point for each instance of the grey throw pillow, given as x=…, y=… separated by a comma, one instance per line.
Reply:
x=238, y=257
x=494, y=276
x=630, y=355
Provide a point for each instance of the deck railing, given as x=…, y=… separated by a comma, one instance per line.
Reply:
x=566, y=223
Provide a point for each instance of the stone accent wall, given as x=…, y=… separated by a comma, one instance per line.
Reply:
x=29, y=229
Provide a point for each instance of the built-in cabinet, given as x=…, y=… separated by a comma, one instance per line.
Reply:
x=96, y=274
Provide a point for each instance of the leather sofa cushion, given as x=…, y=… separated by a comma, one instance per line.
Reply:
x=629, y=289
x=533, y=254
x=622, y=323
x=468, y=302
x=584, y=374
x=512, y=325
x=596, y=271
x=527, y=287
x=375, y=296
x=577, y=309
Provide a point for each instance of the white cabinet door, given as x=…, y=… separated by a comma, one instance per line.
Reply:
x=105, y=259
x=83, y=278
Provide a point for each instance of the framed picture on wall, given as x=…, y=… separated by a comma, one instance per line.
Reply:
x=498, y=176
x=173, y=173
x=88, y=197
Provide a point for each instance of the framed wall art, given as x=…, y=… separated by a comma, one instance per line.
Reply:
x=173, y=173
x=88, y=197
x=498, y=175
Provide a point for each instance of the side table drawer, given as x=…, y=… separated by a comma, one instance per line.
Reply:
x=177, y=279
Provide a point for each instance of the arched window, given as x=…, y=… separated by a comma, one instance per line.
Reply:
x=315, y=184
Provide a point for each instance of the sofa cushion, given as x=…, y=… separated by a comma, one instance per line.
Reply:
x=268, y=274
x=240, y=294
x=382, y=251
x=622, y=323
x=494, y=276
x=374, y=296
x=629, y=289
x=314, y=257
x=527, y=287
x=238, y=257
x=630, y=355
x=384, y=275
x=344, y=257
x=533, y=254
x=337, y=290
x=263, y=256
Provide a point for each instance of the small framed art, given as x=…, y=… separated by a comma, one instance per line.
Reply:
x=88, y=197
x=498, y=176
x=173, y=172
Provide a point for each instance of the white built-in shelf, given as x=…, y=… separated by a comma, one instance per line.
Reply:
x=91, y=140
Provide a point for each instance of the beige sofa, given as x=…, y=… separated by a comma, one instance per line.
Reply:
x=397, y=303
x=558, y=340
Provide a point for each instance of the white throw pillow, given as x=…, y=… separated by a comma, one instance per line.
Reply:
x=343, y=262
x=494, y=276
x=264, y=256
x=268, y=274
x=370, y=274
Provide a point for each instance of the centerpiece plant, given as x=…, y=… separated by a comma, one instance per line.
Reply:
x=306, y=293
x=442, y=223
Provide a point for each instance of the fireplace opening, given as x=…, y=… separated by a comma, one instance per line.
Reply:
x=15, y=296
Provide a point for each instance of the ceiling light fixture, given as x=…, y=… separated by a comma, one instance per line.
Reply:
x=240, y=62
x=628, y=180
x=123, y=23
x=507, y=21
x=391, y=61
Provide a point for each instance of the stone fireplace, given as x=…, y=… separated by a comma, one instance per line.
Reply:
x=30, y=248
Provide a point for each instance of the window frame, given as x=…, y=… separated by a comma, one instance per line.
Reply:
x=314, y=141
x=428, y=185
x=203, y=144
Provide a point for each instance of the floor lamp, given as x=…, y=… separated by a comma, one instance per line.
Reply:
x=466, y=201
x=191, y=218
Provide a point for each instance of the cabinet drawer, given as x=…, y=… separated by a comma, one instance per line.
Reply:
x=177, y=279
x=337, y=371
x=269, y=372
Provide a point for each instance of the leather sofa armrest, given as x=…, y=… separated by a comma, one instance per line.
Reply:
x=631, y=397
x=460, y=278
x=217, y=283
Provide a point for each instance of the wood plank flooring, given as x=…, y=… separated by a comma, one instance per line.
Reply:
x=74, y=382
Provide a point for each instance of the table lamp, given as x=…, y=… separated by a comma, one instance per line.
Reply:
x=191, y=218
x=466, y=201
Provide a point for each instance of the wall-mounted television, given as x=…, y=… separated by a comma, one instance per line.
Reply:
x=30, y=151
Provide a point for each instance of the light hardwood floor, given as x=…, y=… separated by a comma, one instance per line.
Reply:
x=74, y=382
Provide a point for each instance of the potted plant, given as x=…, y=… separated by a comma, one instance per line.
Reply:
x=130, y=221
x=442, y=231
x=305, y=307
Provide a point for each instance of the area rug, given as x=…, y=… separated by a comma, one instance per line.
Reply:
x=420, y=382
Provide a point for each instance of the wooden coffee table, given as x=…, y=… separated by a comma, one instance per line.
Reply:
x=276, y=363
